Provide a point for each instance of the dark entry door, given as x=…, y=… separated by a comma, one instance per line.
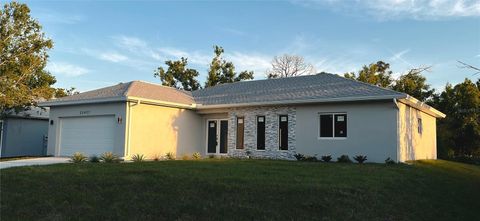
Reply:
x=283, y=132
x=223, y=136
x=212, y=136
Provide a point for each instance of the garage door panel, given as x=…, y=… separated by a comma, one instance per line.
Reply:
x=88, y=135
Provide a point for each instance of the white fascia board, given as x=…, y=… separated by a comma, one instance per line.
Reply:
x=413, y=102
x=160, y=103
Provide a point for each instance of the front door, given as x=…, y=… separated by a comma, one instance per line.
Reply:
x=217, y=134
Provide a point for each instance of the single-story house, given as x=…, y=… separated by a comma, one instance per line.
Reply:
x=24, y=133
x=321, y=114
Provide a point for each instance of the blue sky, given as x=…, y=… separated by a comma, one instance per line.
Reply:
x=103, y=43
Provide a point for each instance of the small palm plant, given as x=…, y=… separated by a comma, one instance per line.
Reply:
x=78, y=158
x=138, y=158
x=109, y=157
x=156, y=157
x=196, y=156
x=389, y=161
x=360, y=158
x=170, y=156
x=326, y=158
x=94, y=159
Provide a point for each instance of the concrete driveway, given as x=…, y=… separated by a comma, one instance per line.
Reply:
x=33, y=161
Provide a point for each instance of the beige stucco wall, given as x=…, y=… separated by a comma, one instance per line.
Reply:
x=371, y=130
x=88, y=110
x=157, y=130
x=413, y=145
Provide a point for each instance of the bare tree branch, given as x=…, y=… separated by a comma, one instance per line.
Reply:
x=465, y=65
x=289, y=66
x=420, y=69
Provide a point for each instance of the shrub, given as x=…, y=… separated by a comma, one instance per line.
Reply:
x=471, y=159
x=389, y=161
x=196, y=156
x=185, y=157
x=156, y=157
x=211, y=156
x=94, y=159
x=344, y=159
x=326, y=158
x=78, y=158
x=360, y=158
x=450, y=153
x=249, y=154
x=170, y=156
x=138, y=158
x=109, y=157
x=310, y=158
x=299, y=156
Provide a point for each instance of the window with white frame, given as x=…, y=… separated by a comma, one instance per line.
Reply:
x=333, y=125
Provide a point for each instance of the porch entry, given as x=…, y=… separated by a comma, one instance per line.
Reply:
x=217, y=133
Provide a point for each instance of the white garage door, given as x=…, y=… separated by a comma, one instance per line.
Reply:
x=87, y=135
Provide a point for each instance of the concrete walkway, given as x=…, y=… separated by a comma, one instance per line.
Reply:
x=33, y=161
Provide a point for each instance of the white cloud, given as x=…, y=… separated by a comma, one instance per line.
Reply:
x=399, y=55
x=137, y=46
x=251, y=62
x=113, y=57
x=402, y=9
x=194, y=57
x=243, y=61
x=66, y=69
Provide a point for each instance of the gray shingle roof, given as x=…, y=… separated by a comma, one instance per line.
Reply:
x=158, y=92
x=123, y=90
x=320, y=87
x=115, y=91
x=311, y=87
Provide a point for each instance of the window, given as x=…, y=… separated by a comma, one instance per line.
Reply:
x=240, y=131
x=419, y=126
x=261, y=132
x=333, y=125
x=283, y=132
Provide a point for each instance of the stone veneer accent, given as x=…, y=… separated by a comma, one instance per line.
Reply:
x=271, y=114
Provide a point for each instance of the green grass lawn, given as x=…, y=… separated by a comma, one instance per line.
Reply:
x=241, y=190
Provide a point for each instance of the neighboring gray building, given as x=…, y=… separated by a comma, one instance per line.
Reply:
x=24, y=133
x=321, y=114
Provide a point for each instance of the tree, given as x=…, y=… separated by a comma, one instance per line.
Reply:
x=23, y=57
x=460, y=130
x=376, y=73
x=222, y=71
x=289, y=66
x=178, y=75
x=414, y=84
x=62, y=92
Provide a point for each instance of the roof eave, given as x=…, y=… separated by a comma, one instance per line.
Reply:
x=411, y=101
x=304, y=101
x=161, y=103
x=53, y=103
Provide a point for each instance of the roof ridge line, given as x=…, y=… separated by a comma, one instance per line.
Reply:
x=371, y=85
x=125, y=94
x=265, y=79
x=163, y=86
